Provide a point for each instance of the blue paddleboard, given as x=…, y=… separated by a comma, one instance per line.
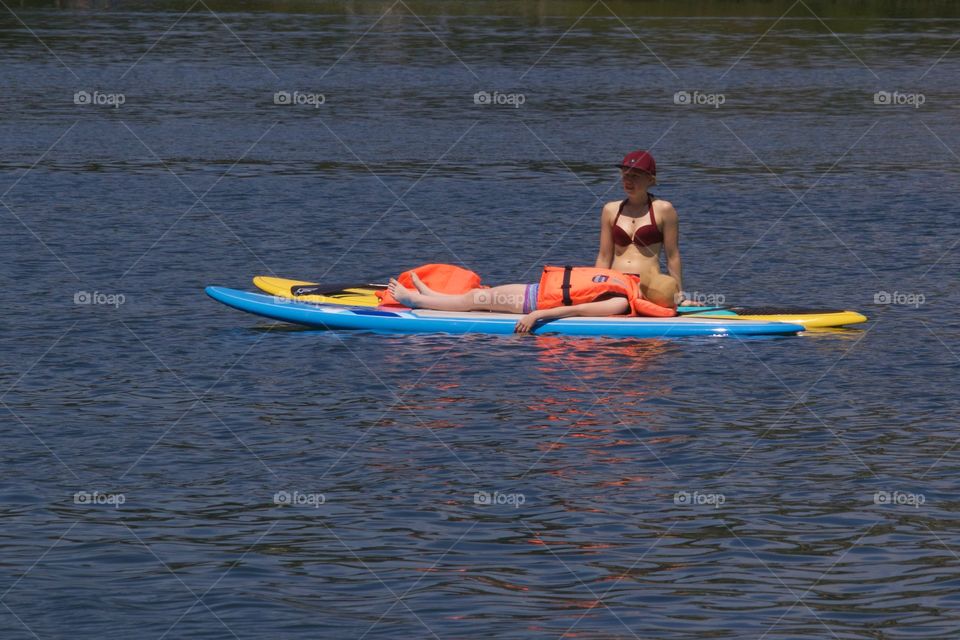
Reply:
x=330, y=316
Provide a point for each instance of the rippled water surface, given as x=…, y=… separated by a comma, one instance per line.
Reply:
x=701, y=488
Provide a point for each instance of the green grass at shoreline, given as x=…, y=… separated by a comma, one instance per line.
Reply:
x=810, y=9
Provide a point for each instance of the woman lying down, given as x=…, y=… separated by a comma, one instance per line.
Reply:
x=562, y=292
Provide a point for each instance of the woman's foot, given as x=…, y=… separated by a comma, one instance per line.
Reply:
x=403, y=295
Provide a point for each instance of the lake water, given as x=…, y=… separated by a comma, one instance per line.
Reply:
x=693, y=488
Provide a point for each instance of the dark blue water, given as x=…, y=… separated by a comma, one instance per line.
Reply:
x=696, y=488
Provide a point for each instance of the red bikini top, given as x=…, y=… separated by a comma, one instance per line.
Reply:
x=643, y=237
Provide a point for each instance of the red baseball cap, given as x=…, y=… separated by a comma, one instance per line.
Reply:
x=641, y=160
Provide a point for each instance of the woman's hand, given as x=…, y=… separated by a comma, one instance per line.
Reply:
x=526, y=322
x=684, y=301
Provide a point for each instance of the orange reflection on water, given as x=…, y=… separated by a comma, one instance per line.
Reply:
x=612, y=381
x=585, y=604
x=592, y=357
x=497, y=582
x=622, y=482
x=606, y=408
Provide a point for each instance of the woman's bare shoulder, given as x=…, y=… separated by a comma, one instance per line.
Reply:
x=664, y=207
x=610, y=209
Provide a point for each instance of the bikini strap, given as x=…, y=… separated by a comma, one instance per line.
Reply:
x=620, y=210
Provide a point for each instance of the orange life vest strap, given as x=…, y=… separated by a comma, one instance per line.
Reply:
x=565, y=286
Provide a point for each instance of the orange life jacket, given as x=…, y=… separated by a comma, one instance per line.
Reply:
x=442, y=278
x=565, y=286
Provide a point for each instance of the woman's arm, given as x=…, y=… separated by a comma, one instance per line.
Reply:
x=605, y=256
x=612, y=307
x=671, y=243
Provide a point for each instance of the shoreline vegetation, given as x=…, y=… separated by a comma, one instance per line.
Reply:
x=810, y=10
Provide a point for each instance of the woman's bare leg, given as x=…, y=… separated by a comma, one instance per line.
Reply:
x=416, y=300
x=506, y=298
x=422, y=288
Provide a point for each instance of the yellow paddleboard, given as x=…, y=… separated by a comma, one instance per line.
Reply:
x=810, y=320
x=360, y=296
x=364, y=296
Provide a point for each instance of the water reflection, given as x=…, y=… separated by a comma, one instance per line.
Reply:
x=607, y=375
x=597, y=357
